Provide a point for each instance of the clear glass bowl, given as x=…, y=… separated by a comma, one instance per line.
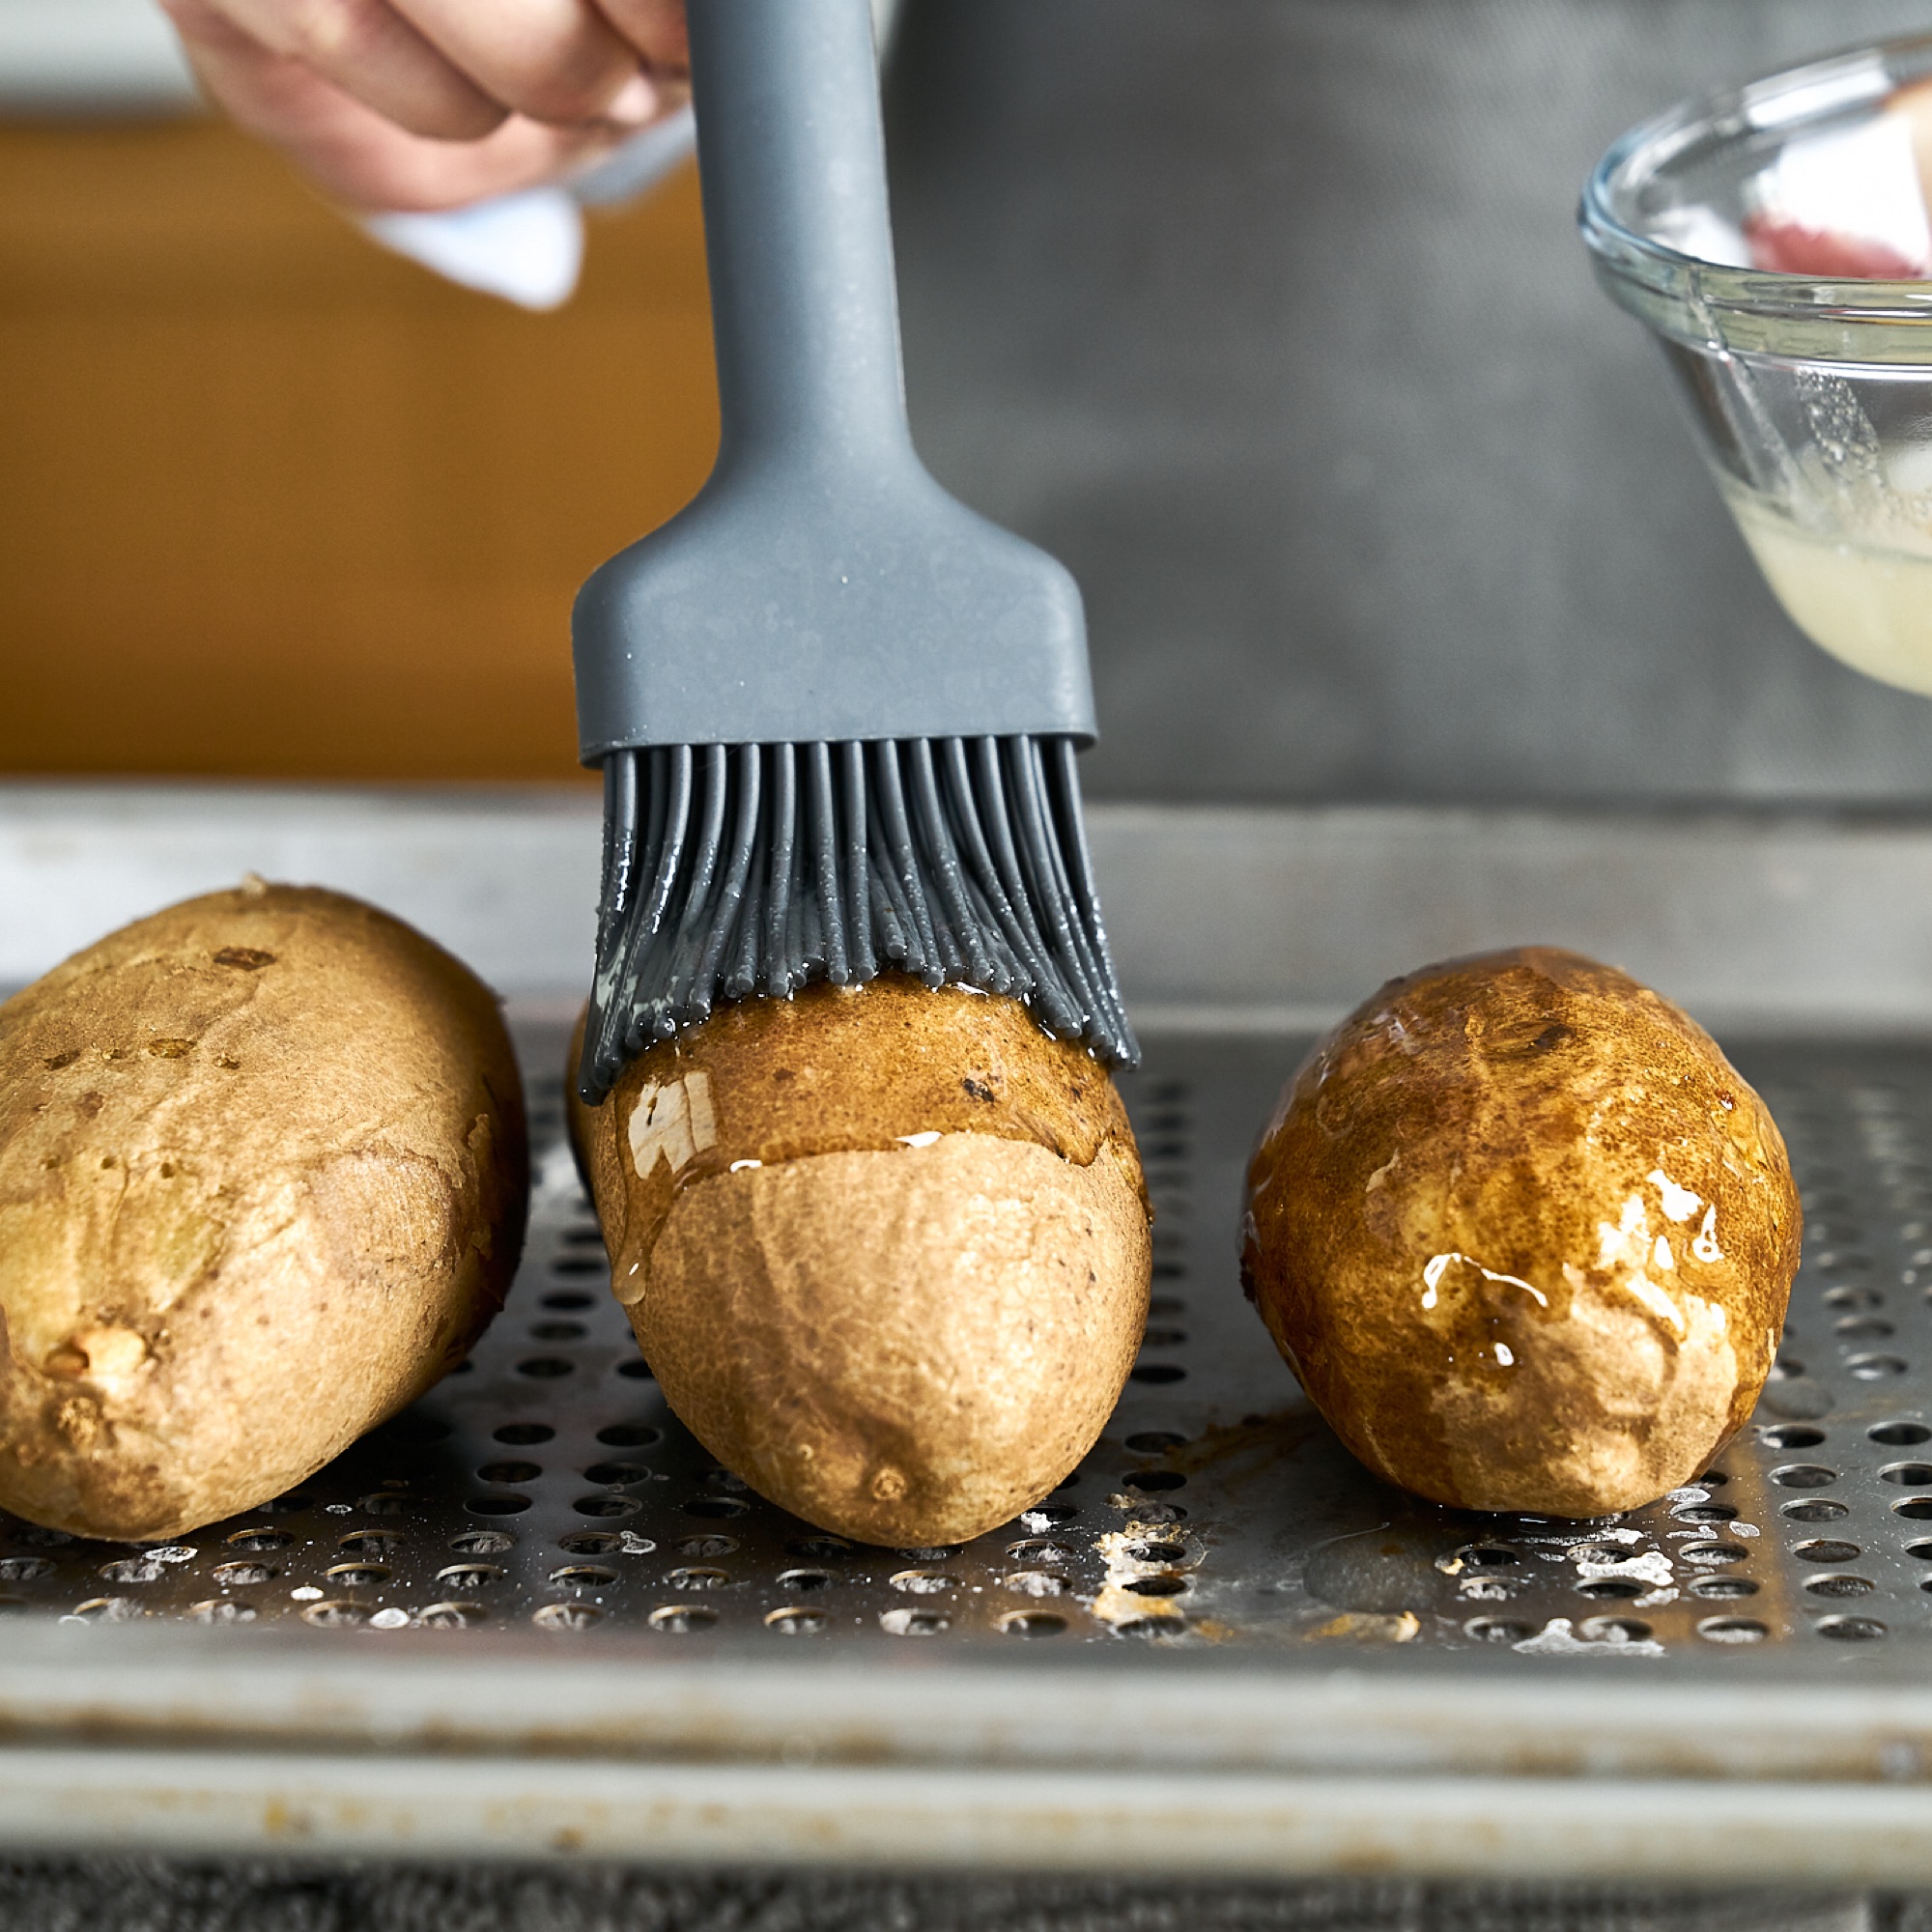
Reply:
x=1776, y=240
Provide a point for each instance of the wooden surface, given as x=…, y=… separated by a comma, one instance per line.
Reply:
x=278, y=502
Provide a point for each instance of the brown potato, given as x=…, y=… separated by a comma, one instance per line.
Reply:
x=261, y=1182
x=1524, y=1235
x=886, y=1250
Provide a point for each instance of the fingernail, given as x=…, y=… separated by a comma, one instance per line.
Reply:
x=633, y=103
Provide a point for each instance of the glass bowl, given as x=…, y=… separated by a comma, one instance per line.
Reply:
x=1776, y=240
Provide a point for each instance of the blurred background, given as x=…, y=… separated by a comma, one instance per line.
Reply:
x=1267, y=316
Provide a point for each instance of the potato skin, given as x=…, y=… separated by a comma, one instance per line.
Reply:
x=1524, y=1235
x=888, y=1254
x=263, y=1180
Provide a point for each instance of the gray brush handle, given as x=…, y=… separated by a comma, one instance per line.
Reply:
x=821, y=588
x=805, y=310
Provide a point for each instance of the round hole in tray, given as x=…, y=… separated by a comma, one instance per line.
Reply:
x=584, y=1576
x=522, y=1435
x=481, y=1542
x=497, y=1505
x=386, y=1502
x=820, y=1548
x=1158, y=1373
x=1036, y=1582
x=109, y=1609
x=1497, y=1629
x=566, y=1616
x=1049, y=1515
x=569, y=1265
x=795, y=1620
x=1153, y=1482
x=1835, y=1585
x=25, y=1569
x=1704, y=1513
x=1851, y=1629
x=292, y=1504
x=1732, y=1629
x=1786, y=1369
x=1166, y=1305
x=616, y=1474
x=1158, y=1586
x=234, y=1576
x=509, y=1472
x=1604, y=1587
x=914, y=1623
x=1615, y=1629
x=1171, y=1625
x=636, y=1369
x=1864, y=1328
x=1915, y=1509
x=1803, y=1476
x=1899, y=1434
x=1711, y=1479
x=682, y=1619
x=923, y=1582
x=545, y=1368
x=351, y=1576
x=1874, y=1368
x=451, y=1615
x=583, y=1235
x=469, y=1576
x=1821, y=1510
x=567, y=1300
x=368, y=1542
x=1163, y=1337
x=1791, y=1435
x=1141, y=1553
x=558, y=1331
x=260, y=1538
x=1709, y=1555
x=1148, y=1513
x=712, y=1543
x=591, y=1542
x=1032, y=1623
x=698, y=1576
x=630, y=1435
x=1722, y=1588
x=336, y=1614
x=1490, y=1556
x=805, y=1581
x=221, y=1611
x=1854, y=1298
x=715, y=1506
x=1155, y=1441
x=1046, y=1550
x=1825, y=1550
x=1907, y=1475
x=607, y=1504
x=1169, y=1270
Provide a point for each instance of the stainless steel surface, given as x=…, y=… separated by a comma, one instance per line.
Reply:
x=531, y=1616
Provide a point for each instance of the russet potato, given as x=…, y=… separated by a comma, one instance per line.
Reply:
x=262, y=1181
x=1524, y=1235
x=886, y=1250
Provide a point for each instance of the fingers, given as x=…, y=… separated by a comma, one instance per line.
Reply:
x=357, y=155
x=559, y=61
x=367, y=50
x=656, y=29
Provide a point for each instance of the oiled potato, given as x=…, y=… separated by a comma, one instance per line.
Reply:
x=262, y=1181
x=1524, y=1235
x=886, y=1250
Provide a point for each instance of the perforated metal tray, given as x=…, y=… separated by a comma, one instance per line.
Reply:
x=532, y=1616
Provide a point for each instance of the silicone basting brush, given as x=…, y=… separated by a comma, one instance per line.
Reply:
x=836, y=711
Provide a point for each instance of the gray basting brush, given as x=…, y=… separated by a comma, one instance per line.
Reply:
x=836, y=710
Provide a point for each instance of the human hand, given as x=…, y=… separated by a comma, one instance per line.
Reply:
x=423, y=105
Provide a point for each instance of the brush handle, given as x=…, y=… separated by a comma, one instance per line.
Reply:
x=805, y=311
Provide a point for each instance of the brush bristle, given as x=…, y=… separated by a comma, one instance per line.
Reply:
x=741, y=869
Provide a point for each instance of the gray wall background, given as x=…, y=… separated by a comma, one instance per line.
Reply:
x=1270, y=318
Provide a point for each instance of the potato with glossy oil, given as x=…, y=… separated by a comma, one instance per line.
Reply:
x=261, y=1182
x=886, y=1250
x=1525, y=1235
